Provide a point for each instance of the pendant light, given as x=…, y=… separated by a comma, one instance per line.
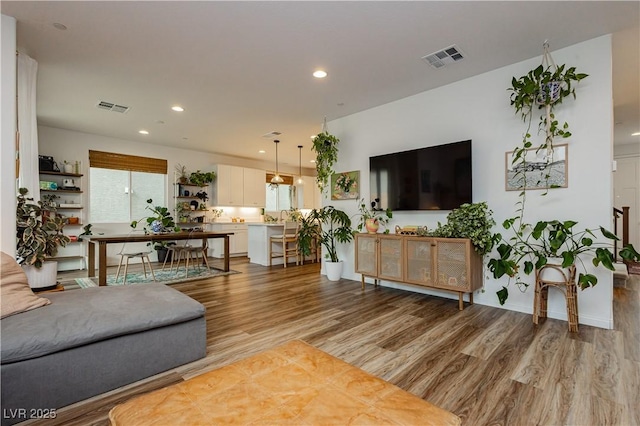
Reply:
x=276, y=180
x=300, y=181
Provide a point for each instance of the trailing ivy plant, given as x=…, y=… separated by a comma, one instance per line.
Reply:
x=473, y=221
x=541, y=89
x=325, y=146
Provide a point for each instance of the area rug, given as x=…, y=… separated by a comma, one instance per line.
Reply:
x=293, y=384
x=163, y=277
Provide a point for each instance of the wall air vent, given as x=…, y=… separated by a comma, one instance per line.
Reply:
x=271, y=135
x=109, y=106
x=443, y=57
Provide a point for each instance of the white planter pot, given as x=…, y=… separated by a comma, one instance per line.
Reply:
x=43, y=277
x=334, y=270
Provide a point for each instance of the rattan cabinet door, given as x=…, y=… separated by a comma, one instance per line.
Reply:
x=367, y=254
x=419, y=265
x=452, y=258
x=390, y=249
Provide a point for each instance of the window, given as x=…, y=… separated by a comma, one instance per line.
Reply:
x=280, y=198
x=120, y=196
x=120, y=185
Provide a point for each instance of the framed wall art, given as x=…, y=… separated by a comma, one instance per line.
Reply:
x=345, y=185
x=536, y=172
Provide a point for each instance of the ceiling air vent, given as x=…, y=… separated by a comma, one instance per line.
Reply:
x=271, y=135
x=443, y=57
x=109, y=106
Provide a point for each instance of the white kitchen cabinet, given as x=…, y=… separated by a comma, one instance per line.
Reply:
x=238, y=242
x=255, y=192
x=228, y=186
x=238, y=187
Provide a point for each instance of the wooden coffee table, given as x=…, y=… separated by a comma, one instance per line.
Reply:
x=291, y=384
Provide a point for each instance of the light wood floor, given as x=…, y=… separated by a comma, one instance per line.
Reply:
x=487, y=365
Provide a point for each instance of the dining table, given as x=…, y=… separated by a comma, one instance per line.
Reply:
x=103, y=240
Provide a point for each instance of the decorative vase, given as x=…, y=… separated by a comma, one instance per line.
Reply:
x=42, y=278
x=68, y=168
x=371, y=225
x=334, y=270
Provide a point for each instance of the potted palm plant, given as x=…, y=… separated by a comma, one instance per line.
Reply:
x=552, y=242
x=327, y=226
x=39, y=234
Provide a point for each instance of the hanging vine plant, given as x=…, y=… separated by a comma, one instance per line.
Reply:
x=542, y=89
x=325, y=146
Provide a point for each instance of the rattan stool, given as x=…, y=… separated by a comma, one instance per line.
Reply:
x=566, y=284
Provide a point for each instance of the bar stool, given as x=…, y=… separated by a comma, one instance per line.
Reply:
x=289, y=243
x=565, y=280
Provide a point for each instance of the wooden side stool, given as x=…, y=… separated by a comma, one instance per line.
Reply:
x=563, y=279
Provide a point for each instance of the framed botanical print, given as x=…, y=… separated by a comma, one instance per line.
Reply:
x=345, y=185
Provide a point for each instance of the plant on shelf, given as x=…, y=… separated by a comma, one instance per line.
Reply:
x=39, y=230
x=183, y=174
x=325, y=146
x=370, y=218
x=542, y=88
x=199, y=178
x=552, y=242
x=473, y=221
x=160, y=221
x=328, y=226
x=202, y=196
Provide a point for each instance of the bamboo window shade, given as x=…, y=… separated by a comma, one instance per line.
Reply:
x=133, y=163
x=288, y=180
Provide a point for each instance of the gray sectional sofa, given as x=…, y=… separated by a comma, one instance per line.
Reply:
x=90, y=341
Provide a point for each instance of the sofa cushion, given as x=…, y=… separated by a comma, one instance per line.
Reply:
x=80, y=317
x=15, y=293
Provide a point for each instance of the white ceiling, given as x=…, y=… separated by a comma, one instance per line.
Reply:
x=243, y=69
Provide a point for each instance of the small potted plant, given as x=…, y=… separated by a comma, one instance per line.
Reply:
x=161, y=220
x=371, y=218
x=202, y=196
x=552, y=242
x=327, y=226
x=183, y=174
x=325, y=146
x=215, y=214
x=39, y=234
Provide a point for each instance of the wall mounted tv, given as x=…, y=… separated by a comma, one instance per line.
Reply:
x=431, y=178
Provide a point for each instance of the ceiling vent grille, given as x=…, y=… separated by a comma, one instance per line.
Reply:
x=271, y=135
x=443, y=57
x=109, y=106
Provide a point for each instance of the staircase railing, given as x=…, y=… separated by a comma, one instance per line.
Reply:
x=617, y=214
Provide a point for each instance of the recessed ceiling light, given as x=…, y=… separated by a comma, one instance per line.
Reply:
x=143, y=132
x=177, y=108
x=262, y=151
x=635, y=134
x=319, y=74
x=59, y=26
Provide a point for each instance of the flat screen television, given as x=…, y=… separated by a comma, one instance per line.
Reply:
x=432, y=178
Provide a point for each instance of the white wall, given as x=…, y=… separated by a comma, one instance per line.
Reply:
x=8, y=135
x=478, y=108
